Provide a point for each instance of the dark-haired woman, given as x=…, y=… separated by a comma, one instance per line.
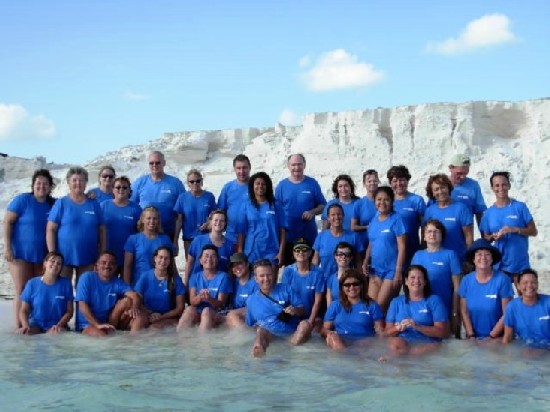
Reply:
x=410, y=206
x=162, y=291
x=484, y=293
x=364, y=209
x=25, y=232
x=354, y=315
x=121, y=217
x=444, y=270
x=528, y=316
x=387, y=248
x=456, y=216
x=509, y=224
x=343, y=255
x=47, y=301
x=418, y=316
x=343, y=189
x=262, y=225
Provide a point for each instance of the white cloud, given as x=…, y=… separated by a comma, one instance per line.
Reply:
x=17, y=123
x=289, y=118
x=135, y=96
x=487, y=31
x=338, y=69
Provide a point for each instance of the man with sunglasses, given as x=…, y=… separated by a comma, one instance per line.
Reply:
x=160, y=190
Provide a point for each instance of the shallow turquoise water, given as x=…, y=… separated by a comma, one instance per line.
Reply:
x=166, y=371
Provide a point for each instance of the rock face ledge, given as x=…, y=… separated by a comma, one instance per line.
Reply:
x=512, y=136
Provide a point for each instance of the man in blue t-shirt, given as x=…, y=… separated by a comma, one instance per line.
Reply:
x=160, y=190
x=105, y=303
x=465, y=189
x=234, y=194
x=302, y=200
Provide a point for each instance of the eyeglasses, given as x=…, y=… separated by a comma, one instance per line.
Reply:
x=349, y=285
x=121, y=187
x=107, y=176
x=155, y=163
x=195, y=181
x=343, y=254
x=302, y=250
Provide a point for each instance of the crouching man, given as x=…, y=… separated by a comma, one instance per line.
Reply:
x=105, y=303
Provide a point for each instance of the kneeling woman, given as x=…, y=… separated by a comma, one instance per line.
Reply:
x=47, y=301
x=274, y=310
x=208, y=293
x=162, y=290
x=528, y=316
x=354, y=316
x=417, y=316
x=244, y=285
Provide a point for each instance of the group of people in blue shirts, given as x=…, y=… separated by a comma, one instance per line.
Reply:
x=344, y=282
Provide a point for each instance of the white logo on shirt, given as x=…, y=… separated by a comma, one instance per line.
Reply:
x=491, y=296
x=307, y=192
x=165, y=191
x=310, y=287
x=112, y=294
x=438, y=263
x=89, y=212
x=270, y=212
x=281, y=302
x=463, y=197
x=545, y=317
x=128, y=217
x=409, y=209
x=423, y=311
x=512, y=217
x=364, y=312
x=60, y=297
x=451, y=219
x=385, y=231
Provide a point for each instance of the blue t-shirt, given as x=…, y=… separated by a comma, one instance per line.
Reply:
x=441, y=265
x=454, y=217
x=162, y=194
x=120, y=223
x=242, y=292
x=231, y=199
x=304, y=286
x=224, y=252
x=262, y=312
x=469, y=193
x=157, y=297
x=48, y=303
x=530, y=323
x=296, y=198
x=484, y=300
x=326, y=243
x=383, y=239
x=220, y=283
x=261, y=227
x=411, y=209
x=358, y=323
x=143, y=248
x=333, y=284
x=513, y=247
x=364, y=211
x=349, y=211
x=78, y=230
x=28, y=239
x=424, y=312
x=100, y=296
x=99, y=195
x=195, y=212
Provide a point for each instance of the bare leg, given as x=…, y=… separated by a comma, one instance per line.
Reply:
x=374, y=286
x=95, y=332
x=302, y=334
x=118, y=317
x=208, y=319
x=164, y=323
x=262, y=341
x=235, y=318
x=21, y=271
x=335, y=342
x=138, y=323
x=385, y=295
x=186, y=244
x=189, y=317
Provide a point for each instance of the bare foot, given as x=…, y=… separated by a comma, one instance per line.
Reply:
x=258, y=350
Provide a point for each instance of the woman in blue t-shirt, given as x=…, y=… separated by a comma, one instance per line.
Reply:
x=47, y=301
x=25, y=232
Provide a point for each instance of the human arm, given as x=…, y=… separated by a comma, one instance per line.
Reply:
x=204, y=296
x=356, y=227
x=468, y=233
x=310, y=214
x=177, y=311
x=508, y=334
x=499, y=327
x=282, y=246
x=466, y=321
x=529, y=230
x=315, y=258
x=51, y=236
x=102, y=238
x=188, y=268
x=9, y=220
x=62, y=323
x=455, y=315
x=135, y=298
x=128, y=267
x=328, y=328
x=315, y=308
x=437, y=330
x=24, y=312
x=401, y=252
x=175, y=240
x=86, y=311
x=365, y=266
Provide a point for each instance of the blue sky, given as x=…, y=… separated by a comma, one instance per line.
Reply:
x=78, y=79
